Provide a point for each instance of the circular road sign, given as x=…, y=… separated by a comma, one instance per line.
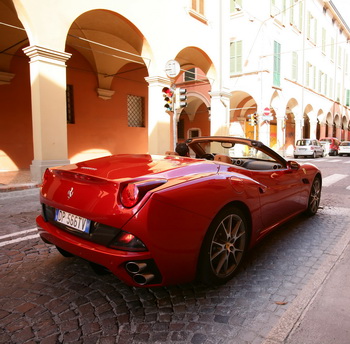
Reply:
x=267, y=111
x=172, y=68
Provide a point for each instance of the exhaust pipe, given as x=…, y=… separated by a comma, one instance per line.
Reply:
x=143, y=279
x=135, y=267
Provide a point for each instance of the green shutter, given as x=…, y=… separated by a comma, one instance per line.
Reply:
x=236, y=57
x=277, y=64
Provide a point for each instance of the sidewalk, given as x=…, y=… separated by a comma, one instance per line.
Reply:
x=16, y=180
x=321, y=312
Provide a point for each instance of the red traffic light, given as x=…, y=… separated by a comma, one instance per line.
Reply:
x=167, y=92
x=168, y=95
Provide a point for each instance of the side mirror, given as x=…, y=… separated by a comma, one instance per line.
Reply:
x=293, y=165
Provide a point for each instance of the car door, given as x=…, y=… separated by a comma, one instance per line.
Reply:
x=280, y=196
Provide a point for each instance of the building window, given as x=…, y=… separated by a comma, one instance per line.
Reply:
x=235, y=6
x=332, y=49
x=312, y=28
x=70, y=104
x=347, y=97
x=190, y=74
x=330, y=88
x=236, y=57
x=321, y=76
x=277, y=64
x=194, y=133
x=198, y=6
x=278, y=10
x=325, y=84
x=339, y=57
x=296, y=13
x=324, y=40
x=338, y=92
x=136, y=117
x=294, y=66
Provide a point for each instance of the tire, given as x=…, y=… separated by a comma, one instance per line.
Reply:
x=314, y=155
x=224, y=247
x=314, y=197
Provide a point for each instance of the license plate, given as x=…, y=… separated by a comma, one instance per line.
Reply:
x=74, y=221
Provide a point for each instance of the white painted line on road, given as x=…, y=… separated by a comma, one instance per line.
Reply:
x=13, y=241
x=333, y=178
x=333, y=160
x=18, y=233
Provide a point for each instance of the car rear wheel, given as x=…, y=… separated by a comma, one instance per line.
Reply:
x=224, y=247
x=314, y=197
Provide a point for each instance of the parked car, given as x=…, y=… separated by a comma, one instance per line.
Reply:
x=162, y=220
x=344, y=148
x=331, y=145
x=308, y=148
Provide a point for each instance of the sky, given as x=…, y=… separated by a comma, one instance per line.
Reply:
x=343, y=6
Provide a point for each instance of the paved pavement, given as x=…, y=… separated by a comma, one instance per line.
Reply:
x=293, y=289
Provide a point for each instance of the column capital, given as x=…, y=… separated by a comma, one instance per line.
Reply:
x=36, y=53
x=158, y=80
x=220, y=94
x=5, y=78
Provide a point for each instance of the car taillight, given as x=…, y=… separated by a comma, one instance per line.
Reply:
x=132, y=193
x=130, y=196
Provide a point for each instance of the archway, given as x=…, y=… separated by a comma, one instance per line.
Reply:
x=106, y=74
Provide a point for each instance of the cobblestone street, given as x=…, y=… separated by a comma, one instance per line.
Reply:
x=47, y=298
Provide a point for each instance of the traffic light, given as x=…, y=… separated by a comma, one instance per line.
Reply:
x=180, y=98
x=168, y=95
x=253, y=119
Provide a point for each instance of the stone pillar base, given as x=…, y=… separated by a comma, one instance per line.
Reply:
x=38, y=167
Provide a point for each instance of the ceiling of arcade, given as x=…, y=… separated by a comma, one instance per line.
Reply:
x=108, y=42
x=13, y=36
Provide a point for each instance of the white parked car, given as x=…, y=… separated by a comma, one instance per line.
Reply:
x=308, y=148
x=344, y=148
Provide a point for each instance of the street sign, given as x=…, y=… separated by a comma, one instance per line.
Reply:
x=267, y=118
x=267, y=111
x=172, y=68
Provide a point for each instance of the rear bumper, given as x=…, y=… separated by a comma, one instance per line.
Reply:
x=114, y=260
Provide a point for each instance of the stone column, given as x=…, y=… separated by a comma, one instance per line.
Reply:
x=160, y=137
x=220, y=113
x=48, y=94
x=313, y=128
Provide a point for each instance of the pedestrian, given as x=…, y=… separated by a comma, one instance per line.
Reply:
x=182, y=149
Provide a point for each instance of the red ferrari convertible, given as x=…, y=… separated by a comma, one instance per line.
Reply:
x=162, y=220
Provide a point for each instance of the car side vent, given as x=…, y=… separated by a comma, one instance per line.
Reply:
x=306, y=181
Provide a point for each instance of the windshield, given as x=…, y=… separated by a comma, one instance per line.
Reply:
x=236, y=150
x=304, y=143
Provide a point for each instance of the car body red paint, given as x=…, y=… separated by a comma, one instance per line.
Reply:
x=174, y=204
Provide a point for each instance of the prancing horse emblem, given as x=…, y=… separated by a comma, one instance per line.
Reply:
x=70, y=193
